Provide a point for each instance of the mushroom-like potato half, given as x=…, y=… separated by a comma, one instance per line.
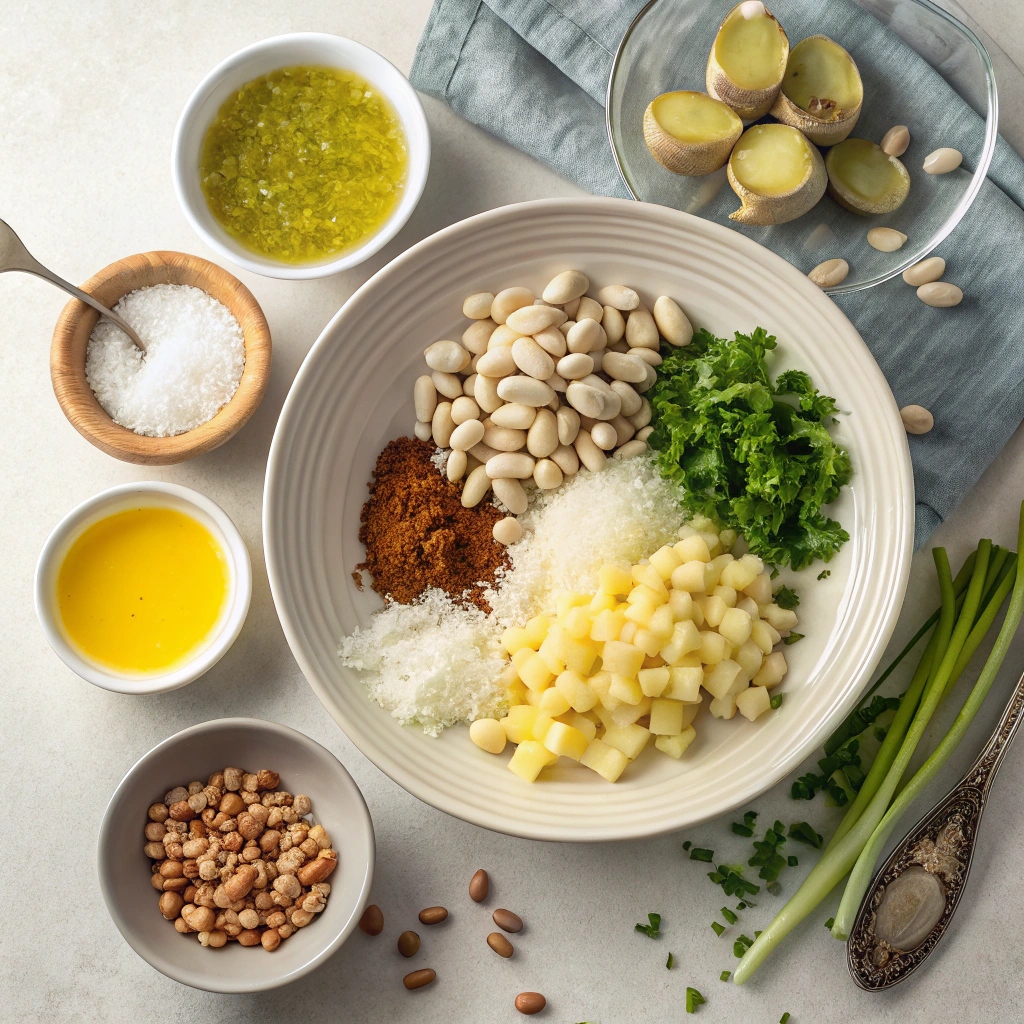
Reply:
x=863, y=178
x=690, y=132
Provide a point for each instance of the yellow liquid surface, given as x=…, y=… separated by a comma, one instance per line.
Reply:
x=749, y=50
x=771, y=159
x=140, y=590
x=821, y=69
x=694, y=116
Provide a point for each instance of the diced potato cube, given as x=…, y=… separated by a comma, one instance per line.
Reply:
x=665, y=559
x=723, y=707
x=607, y=625
x=727, y=594
x=646, y=573
x=702, y=524
x=643, y=594
x=748, y=605
x=773, y=669
x=625, y=659
x=599, y=682
x=536, y=629
x=647, y=641
x=627, y=632
x=653, y=681
x=727, y=538
x=713, y=571
x=553, y=702
x=566, y=600
x=533, y=696
x=763, y=635
x=713, y=648
x=690, y=713
x=689, y=577
x=735, y=626
x=565, y=741
x=573, y=687
x=760, y=589
x=580, y=655
x=518, y=692
x=529, y=758
x=681, y=603
x=603, y=602
x=697, y=615
x=780, y=618
x=712, y=541
x=515, y=638
x=518, y=723
x=552, y=650
x=685, y=639
x=693, y=548
x=748, y=656
x=666, y=717
x=657, y=661
x=578, y=622
x=686, y=531
x=522, y=655
x=662, y=623
x=535, y=672
x=541, y=725
x=742, y=572
x=613, y=579
x=624, y=714
x=724, y=679
x=753, y=701
x=684, y=684
x=580, y=722
x=626, y=689
x=640, y=612
x=714, y=609
x=675, y=746
x=630, y=739
x=604, y=759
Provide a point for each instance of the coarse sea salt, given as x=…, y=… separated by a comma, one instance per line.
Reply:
x=195, y=355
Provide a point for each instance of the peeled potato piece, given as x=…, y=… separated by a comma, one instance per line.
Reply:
x=690, y=132
x=863, y=178
x=777, y=174
x=748, y=60
x=821, y=92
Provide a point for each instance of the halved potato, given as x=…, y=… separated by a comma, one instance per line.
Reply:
x=748, y=60
x=864, y=178
x=821, y=92
x=690, y=132
x=777, y=174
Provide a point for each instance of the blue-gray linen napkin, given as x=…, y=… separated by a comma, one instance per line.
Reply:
x=535, y=72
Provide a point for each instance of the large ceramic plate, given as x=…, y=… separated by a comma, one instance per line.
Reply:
x=353, y=394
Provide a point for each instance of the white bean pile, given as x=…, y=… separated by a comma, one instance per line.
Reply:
x=539, y=386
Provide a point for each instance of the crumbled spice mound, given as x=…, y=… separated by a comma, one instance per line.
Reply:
x=418, y=534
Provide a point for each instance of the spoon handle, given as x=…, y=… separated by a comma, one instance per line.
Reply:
x=942, y=843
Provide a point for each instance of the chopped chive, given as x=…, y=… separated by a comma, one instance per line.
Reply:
x=784, y=1019
x=741, y=905
x=823, y=575
x=802, y=832
x=776, y=700
x=670, y=961
x=687, y=845
x=792, y=861
x=756, y=934
x=719, y=928
x=729, y=915
x=741, y=945
x=792, y=638
x=828, y=924
x=775, y=572
x=697, y=853
x=774, y=888
x=693, y=1000
x=725, y=976
x=652, y=930
x=742, y=830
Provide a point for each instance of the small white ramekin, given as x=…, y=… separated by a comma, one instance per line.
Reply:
x=310, y=48
x=118, y=499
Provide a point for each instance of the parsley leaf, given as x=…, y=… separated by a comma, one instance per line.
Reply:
x=652, y=930
x=693, y=1000
x=786, y=598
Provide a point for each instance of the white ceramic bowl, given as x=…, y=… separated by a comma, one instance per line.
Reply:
x=196, y=753
x=317, y=48
x=117, y=499
x=354, y=393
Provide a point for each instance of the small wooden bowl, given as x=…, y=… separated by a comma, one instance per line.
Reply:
x=71, y=338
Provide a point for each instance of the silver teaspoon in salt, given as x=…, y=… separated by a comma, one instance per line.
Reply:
x=14, y=256
x=913, y=897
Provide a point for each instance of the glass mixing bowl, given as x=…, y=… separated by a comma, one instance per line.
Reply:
x=921, y=67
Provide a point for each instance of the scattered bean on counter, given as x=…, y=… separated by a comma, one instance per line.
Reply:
x=941, y=294
x=942, y=161
x=917, y=419
x=925, y=272
x=886, y=239
x=830, y=273
x=500, y=944
x=433, y=915
x=480, y=883
x=419, y=978
x=372, y=921
x=896, y=140
x=530, y=1002
x=408, y=944
x=507, y=921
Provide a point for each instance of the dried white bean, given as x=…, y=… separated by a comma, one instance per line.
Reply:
x=648, y=355
x=507, y=530
x=566, y=459
x=478, y=305
x=830, y=273
x=520, y=417
x=498, y=362
x=542, y=438
x=424, y=398
x=628, y=368
x=631, y=448
x=469, y=385
x=485, y=391
x=585, y=398
x=446, y=356
x=508, y=301
x=590, y=455
x=566, y=286
x=448, y=384
x=584, y=336
x=652, y=376
x=596, y=382
x=476, y=335
x=642, y=417
x=422, y=430
x=624, y=430
x=925, y=272
x=464, y=408
x=570, y=307
x=483, y=453
x=886, y=239
x=942, y=161
x=511, y=494
x=941, y=294
x=455, y=467
x=546, y=475
x=917, y=419
x=477, y=484
x=531, y=319
x=467, y=434
x=604, y=436
x=517, y=465
x=573, y=366
x=588, y=309
x=552, y=341
x=644, y=432
x=525, y=391
x=673, y=324
x=557, y=383
x=565, y=328
x=614, y=324
x=631, y=401
x=597, y=357
x=641, y=330
x=896, y=140
x=619, y=297
x=504, y=439
x=531, y=358
x=503, y=336
x=442, y=424
x=568, y=420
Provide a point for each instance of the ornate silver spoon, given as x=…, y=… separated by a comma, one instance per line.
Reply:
x=913, y=897
x=14, y=256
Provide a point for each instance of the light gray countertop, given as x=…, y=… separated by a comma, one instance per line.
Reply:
x=89, y=95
